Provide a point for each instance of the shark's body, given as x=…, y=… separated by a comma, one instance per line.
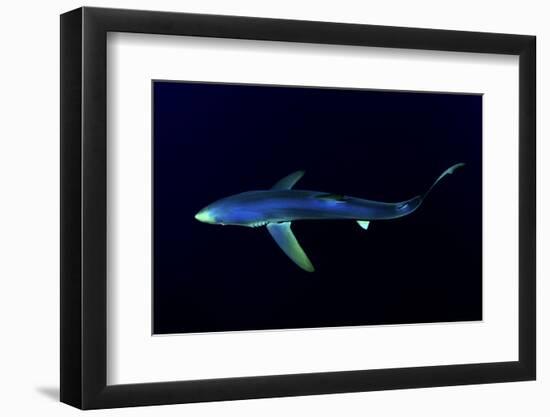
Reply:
x=277, y=207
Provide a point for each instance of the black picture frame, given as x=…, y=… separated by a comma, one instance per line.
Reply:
x=83, y=207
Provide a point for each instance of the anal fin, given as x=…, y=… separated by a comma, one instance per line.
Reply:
x=363, y=223
x=282, y=234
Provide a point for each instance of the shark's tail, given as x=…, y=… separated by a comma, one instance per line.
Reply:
x=407, y=207
x=448, y=171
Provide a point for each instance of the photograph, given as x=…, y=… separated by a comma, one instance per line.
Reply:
x=339, y=207
x=259, y=205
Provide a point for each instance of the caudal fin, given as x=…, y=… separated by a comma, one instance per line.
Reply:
x=407, y=207
x=448, y=171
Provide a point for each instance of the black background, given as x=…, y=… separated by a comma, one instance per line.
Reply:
x=214, y=140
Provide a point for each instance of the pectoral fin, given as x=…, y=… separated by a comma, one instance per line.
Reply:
x=287, y=242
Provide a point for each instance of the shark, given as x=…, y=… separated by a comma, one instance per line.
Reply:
x=281, y=205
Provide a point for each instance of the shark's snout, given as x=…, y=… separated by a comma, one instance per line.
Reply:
x=205, y=216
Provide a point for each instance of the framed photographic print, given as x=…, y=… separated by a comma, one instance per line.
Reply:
x=258, y=207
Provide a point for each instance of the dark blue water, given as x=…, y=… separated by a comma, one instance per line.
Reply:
x=214, y=140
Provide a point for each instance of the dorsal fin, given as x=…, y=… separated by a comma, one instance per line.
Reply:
x=288, y=182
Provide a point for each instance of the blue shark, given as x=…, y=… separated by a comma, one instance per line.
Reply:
x=279, y=206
